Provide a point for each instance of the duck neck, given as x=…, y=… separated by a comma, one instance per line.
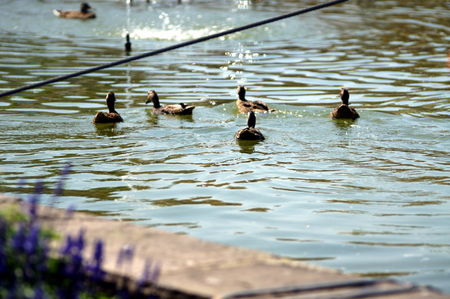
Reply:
x=344, y=98
x=251, y=120
x=155, y=101
x=111, y=107
x=241, y=94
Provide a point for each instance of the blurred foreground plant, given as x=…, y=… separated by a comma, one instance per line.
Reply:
x=27, y=270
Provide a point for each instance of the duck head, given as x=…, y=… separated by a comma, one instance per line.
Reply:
x=84, y=8
x=241, y=92
x=110, y=101
x=344, y=95
x=251, y=122
x=152, y=96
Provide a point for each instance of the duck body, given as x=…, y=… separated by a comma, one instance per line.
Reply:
x=83, y=14
x=250, y=133
x=245, y=106
x=177, y=109
x=180, y=109
x=108, y=117
x=344, y=111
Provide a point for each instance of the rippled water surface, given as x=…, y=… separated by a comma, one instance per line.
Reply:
x=369, y=197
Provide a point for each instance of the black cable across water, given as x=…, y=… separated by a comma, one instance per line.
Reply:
x=173, y=47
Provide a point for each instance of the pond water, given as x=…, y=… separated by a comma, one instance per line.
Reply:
x=370, y=197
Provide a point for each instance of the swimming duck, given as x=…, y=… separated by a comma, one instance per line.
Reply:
x=180, y=109
x=84, y=12
x=250, y=133
x=127, y=43
x=344, y=110
x=245, y=106
x=108, y=117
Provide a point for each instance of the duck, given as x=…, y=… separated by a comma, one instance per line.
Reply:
x=108, y=117
x=179, y=109
x=127, y=43
x=344, y=111
x=84, y=12
x=245, y=106
x=250, y=133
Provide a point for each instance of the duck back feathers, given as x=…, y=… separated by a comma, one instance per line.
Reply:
x=84, y=12
x=107, y=117
x=344, y=111
x=245, y=106
x=178, y=109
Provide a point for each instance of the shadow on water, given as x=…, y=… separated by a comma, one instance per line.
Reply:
x=154, y=119
x=344, y=124
x=108, y=130
x=247, y=146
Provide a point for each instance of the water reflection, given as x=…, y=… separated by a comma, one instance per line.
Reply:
x=108, y=130
x=201, y=200
x=152, y=118
x=344, y=124
x=247, y=146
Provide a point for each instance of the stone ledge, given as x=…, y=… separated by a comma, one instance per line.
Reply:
x=193, y=268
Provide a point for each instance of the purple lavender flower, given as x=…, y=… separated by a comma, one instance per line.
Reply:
x=66, y=249
x=44, y=251
x=79, y=242
x=95, y=268
x=34, y=200
x=149, y=275
x=123, y=294
x=98, y=252
x=71, y=266
x=3, y=227
x=39, y=187
x=76, y=254
x=39, y=293
x=19, y=238
x=31, y=241
x=155, y=274
x=62, y=177
x=3, y=244
x=126, y=254
x=12, y=292
x=24, y=258
x=145, y=274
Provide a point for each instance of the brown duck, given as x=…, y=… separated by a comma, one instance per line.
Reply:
x=250, y=133
x=84, y=12
x=108, y=117
x=245, y=106
x=127, y=43
x=344, y=110
x=180, y=109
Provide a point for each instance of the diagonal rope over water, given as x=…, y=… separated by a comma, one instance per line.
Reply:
x=173, y=47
